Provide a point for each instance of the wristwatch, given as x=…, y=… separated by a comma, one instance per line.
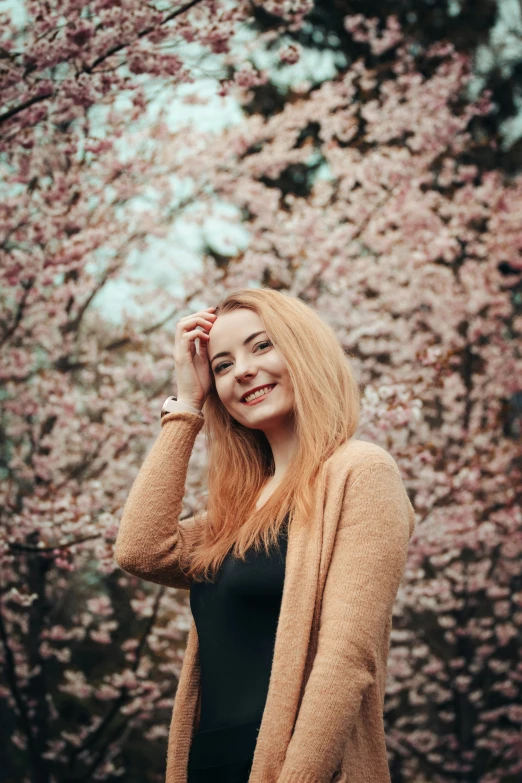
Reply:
x=171, y=405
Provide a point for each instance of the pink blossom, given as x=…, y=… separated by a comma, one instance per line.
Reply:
x=290, y=54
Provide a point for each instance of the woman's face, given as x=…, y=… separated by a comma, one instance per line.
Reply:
x=242, y=358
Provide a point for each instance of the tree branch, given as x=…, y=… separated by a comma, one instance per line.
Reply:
x=37, y=549
x=141, y=34
x=14, y=110
x=10, y=672
x=92, y=738
x=23, y=106
x=27, y=285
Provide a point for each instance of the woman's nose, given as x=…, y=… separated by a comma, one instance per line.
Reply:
x=242, y=373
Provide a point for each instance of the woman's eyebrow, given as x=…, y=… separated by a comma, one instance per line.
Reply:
x=226, y=353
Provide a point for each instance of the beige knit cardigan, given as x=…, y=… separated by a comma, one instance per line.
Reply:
x=323, y=716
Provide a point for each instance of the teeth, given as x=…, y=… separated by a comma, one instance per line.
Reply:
x=258, y=393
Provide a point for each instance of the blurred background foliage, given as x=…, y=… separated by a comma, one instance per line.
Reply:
x=146, y=626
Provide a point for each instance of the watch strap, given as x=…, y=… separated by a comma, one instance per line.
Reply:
x=171, y=405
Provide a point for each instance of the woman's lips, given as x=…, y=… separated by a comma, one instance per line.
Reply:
x=260, y=398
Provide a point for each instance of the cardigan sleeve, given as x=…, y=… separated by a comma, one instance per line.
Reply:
x=363, y=578
x=152, y=542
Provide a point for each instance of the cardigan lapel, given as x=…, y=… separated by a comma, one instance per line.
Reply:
x=291, y=642
x=184, y=711
x=310, y=544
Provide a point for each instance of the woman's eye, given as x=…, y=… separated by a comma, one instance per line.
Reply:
x=259, y=345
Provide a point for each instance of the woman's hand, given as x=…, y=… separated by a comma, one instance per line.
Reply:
x=192, y=366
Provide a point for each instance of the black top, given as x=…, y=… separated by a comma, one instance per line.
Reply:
x=236, y=620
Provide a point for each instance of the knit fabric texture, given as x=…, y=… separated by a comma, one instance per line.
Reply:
x=323, y=716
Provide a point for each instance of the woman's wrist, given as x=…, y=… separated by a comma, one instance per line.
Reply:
x=190, y=406
x=172, y=405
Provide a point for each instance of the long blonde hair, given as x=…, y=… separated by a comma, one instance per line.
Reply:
x=326, y=414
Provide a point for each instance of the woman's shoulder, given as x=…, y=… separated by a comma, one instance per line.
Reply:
x=355, y=455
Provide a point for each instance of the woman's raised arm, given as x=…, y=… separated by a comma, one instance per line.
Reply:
x=152, y=542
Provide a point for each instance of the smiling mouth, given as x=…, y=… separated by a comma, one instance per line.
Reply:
x=259, y=398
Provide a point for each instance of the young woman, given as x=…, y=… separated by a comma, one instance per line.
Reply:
x=295, y=563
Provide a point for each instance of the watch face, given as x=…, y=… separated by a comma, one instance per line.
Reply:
x=166, y=406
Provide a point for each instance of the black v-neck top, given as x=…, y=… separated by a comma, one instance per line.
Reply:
x=236, y=620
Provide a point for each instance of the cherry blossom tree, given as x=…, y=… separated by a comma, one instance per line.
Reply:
x=362, y=196
x=89, y=657
x=365, y=197
x=490, y=31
